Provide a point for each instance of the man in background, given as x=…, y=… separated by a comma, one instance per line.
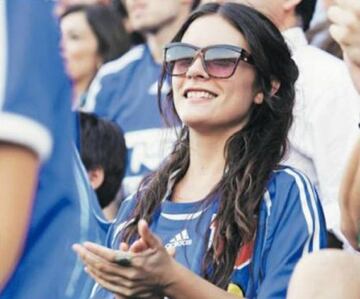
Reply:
x=125, y=90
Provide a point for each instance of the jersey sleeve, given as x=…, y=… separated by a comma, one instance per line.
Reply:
x=28, y=62
x=295, y=227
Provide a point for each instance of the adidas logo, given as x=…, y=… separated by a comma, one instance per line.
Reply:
x=181, y=239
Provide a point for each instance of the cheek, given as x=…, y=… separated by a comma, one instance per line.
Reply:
x=240, y=94
x=176, y=85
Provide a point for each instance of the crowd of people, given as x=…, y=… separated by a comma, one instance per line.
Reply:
x=179, y=149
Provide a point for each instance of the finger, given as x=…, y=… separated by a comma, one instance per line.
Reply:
x=101, y=251
x=123, y=288
x=86, y=256
x=340, y=16
x=148, y=237
x=92, y=260
x=110, y=278
x=105, y=284
x=138, y=246
x=353, y=5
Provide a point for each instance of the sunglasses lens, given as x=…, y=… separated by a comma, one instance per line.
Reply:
x=178, y=59
x=221, y=62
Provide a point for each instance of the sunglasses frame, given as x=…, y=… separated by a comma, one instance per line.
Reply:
x=244, y=56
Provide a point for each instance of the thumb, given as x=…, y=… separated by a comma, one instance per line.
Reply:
x=147, y=236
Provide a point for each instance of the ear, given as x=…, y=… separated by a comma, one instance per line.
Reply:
x=259, y=98
x=96, y=177
x=290, y=4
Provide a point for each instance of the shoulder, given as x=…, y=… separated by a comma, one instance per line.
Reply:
x=112, y=78
x=288, y=187
x=126, y=208
x=27, y=103
x=123, y=217
x=117, y=66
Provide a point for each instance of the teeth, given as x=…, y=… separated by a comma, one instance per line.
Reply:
x=200, y=94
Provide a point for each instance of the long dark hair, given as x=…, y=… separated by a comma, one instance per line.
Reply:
x=251, y=154
x=112, y=38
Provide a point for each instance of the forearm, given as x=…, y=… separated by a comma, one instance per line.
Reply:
x=351, y=181
x=187, y=285
x=18, y=169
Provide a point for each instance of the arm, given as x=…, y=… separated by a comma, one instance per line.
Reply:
x=152, y=271
x=345, y=16
x=18, y=176
x=350, y=198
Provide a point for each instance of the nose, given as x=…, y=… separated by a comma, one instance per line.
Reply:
x=197, y=69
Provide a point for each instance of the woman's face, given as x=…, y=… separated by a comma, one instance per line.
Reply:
x=210, y=104
x=79, y=47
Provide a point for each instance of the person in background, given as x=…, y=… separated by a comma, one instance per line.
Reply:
x=345, y=29
x=136, y=38
x=311, y=278
x=103, y=152
x=325, y=125
x=91, y=35
x=46, y=203
x=125, y=89
x=237, y=219
x=318, y=33
x=62, y=5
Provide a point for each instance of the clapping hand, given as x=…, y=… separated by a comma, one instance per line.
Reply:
x=147, y=273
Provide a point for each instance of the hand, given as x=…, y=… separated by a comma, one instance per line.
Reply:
x=147, y=277
x=345, y=16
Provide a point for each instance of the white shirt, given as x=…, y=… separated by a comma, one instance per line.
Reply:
x=325, y=124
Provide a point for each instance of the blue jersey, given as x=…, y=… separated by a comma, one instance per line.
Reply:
x=125, y=91
x=291, y=224
x=35, y=112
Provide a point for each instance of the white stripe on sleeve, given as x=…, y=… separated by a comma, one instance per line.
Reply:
x=18, y=129
x=313, y=224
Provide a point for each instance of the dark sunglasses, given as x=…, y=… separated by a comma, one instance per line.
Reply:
x=219, y=61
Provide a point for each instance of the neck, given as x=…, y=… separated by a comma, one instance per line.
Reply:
x=157, y=39
x=80, y=86
x=207, y=163
x=289, y=21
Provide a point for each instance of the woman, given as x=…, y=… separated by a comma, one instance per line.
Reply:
x=91, y=36
x=235, y=218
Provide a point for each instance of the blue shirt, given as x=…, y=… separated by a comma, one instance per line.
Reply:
x=291, y=224
x=125, y=91
x=35, y=112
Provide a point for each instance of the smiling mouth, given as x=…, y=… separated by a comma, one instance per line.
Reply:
x=192, y=94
